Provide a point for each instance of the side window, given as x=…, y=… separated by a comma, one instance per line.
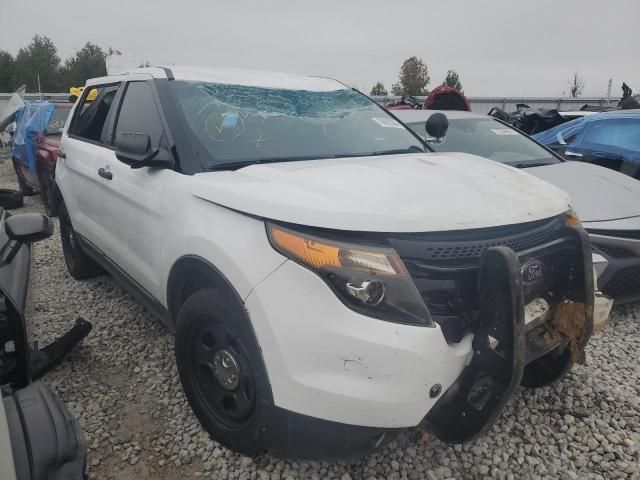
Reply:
x=619, y=133
x=138, y=114
x=90, y=116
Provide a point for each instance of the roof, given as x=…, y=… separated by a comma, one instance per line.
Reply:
x=230, y=76
x=411, y=116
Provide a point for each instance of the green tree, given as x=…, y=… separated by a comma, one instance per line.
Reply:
x=7, y=71
x=576, y=85
x=378, y=89
x=453, y=80
x=413, y=78
x=41, y=58
x=88, y=62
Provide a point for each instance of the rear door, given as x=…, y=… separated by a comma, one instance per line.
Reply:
x=77, y=172
x=134, y=213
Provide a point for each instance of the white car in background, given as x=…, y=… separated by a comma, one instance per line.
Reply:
x=331, y=282
x=607, y=202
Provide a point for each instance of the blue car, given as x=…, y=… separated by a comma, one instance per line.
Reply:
x=609, y=139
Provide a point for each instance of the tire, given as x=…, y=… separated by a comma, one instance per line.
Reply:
x=79, y=264
x=547, y=370
x=210, y=326
x=22, y=184
x=10, y=199
x=47, y=196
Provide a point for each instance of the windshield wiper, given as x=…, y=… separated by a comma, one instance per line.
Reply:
x=530, y=165
x=261, y=161
x=397, y=151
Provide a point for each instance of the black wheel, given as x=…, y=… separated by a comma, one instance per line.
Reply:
x=22, y=184
x=79, y=264
x=10, y=199
x=47, y=195
x=221, y=369
x=547, y=369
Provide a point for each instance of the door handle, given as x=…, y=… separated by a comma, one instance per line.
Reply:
x=105, y=174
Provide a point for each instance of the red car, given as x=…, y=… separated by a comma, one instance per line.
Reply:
x=35, y=152
x=440, y=98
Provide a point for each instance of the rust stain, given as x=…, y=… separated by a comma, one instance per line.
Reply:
x=569, y=319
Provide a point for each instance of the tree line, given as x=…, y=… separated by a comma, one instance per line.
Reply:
x=414, y=79
x=40, y=59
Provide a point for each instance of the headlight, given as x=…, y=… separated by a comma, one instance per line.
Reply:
x=370, y=280
x=571, y=218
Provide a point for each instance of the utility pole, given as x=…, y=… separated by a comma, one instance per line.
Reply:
x=609, y=91
x=39, y=90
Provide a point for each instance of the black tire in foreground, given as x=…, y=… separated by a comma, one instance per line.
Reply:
x=79, y=264
x=221, y=369
x=10, y=199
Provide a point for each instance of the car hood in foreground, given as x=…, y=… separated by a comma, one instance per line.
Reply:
x=598, y=194
x=390, y=193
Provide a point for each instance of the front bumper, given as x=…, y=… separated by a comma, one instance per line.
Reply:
x=620, y=276
x=329, y=362
x=344, y=370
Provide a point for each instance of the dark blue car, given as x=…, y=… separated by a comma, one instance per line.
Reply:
x=609, y=139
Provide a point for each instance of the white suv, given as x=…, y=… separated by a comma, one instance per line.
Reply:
x=330, y=280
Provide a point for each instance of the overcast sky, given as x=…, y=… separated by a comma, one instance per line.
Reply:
x=499, y=47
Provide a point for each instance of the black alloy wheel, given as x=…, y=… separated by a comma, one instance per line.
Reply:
x=221, y=369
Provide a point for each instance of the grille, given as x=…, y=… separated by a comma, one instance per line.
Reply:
x=434, y=248
x=444, y=265
x=615, y=252
x=625, y=282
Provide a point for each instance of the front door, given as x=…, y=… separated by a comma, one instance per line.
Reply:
x=134, y=213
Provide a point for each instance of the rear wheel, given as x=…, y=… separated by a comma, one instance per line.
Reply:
x=79, y=264
x=47, y=196
x=24, y=188
x=219, y=366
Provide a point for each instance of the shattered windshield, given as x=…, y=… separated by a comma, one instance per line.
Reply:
x=490, y=139
x=233, y=124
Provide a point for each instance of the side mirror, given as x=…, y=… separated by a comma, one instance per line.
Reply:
x=28, y=227
x=437, y=126
x=134, y=149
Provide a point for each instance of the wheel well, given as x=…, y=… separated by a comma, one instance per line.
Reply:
x=190, y=274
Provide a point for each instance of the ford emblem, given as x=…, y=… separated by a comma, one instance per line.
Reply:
x=532, y=272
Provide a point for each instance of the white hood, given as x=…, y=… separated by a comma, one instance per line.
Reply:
x=391, y=193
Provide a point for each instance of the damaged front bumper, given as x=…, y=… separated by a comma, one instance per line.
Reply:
x=345, y=383
x=507, y=351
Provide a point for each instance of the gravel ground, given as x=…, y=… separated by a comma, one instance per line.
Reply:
x=123, y=386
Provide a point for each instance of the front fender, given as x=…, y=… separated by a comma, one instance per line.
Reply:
x=235, y=244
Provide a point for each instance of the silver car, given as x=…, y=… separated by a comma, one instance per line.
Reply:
x=607, y=202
